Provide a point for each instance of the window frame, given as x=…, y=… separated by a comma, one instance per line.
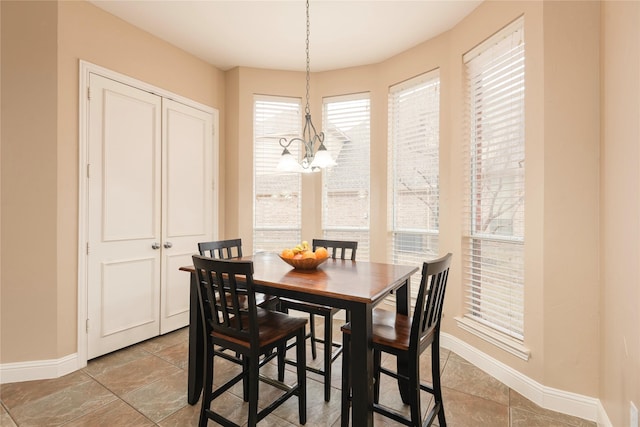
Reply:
x=361, y=106
x=281, y=235
x=493, y=256
x=428, y=235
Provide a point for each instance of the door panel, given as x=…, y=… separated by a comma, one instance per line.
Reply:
x=130, y=163
x=124, y=193
x=126, y=286
x=188, y=208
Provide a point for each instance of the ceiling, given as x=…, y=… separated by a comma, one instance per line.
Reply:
x=271, y=34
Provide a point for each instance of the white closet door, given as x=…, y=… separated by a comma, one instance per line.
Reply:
x=124, y=187
x=188, y=195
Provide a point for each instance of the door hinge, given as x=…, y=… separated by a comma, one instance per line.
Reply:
x=87, y=325
x=87, y=248
x=89, y=93
x=88, y=170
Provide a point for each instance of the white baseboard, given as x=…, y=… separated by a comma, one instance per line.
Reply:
x=603, y=418
x=38, y=369
x=589, y=408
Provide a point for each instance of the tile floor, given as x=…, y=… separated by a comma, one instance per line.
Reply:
x=145, y=385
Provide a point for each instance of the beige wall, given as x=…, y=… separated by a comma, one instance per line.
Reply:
x=40, y=67
x=620, y=210
x=29, y=169
x=582, y=206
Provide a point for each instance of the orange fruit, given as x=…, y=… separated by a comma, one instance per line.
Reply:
x=297, y=256
x=321, y=253
x=287, y=253
x=308, y=254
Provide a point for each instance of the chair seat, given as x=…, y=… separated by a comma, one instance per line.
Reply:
x=389, y=329
x=273, y=326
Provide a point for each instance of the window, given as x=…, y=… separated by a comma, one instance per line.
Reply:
x=345, y=188
x=493, y=244
x=276, y=204
x=414, y=138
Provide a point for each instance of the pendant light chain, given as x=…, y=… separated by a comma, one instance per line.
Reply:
x=313, y=159
x=307, y=110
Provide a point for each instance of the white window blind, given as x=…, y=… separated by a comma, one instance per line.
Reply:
x=414, y=164
x=345, y=189
x=276, y=204
x=493, y=244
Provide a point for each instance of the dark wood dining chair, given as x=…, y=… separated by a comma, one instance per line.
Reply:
x=230, y=249
x=407, y=337
x=233, y=320
x=338, y=249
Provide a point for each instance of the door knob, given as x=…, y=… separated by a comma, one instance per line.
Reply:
x=168, y=245
x=155, y=245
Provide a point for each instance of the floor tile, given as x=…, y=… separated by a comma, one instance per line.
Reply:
x=5, y=418
x=63, y=405
x=177, y=354
x=16, y=394
x=130, y=376
x=113, y=414
x=113, y=360
x=162, y=342
x=160, y=398
x=463, y=376
x=188, y=416
x=465, y=410
x=524, y=408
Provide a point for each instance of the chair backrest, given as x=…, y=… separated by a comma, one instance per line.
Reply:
x=337, y=248
x=221, y=249
x=427, y=313
x=226, y=297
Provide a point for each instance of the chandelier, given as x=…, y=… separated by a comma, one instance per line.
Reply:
x=311, y=161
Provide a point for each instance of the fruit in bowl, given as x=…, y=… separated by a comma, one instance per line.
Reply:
x=301, y=257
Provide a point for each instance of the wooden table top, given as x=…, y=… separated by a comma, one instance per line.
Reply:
x=355, y=281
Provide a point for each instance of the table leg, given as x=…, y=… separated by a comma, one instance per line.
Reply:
x=196, y=348
x=361, y=366
x=402, y=307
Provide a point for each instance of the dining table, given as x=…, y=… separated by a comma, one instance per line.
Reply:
x=356, y=286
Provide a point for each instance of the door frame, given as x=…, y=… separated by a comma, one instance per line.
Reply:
x=86, y=69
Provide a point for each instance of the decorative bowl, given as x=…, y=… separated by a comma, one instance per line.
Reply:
x=304, y=263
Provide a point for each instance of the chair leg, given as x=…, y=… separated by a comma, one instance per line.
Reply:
x=435, y=376
x=377, y=358
x=207, y=386
x=282, y=350
x=253, y=390
x=301, y=357
x=312, y=333
x=346, y=380
x=328, y=352
x=246, y=382
x=414, y=393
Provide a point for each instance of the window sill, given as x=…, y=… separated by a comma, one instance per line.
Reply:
x=507, y=344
